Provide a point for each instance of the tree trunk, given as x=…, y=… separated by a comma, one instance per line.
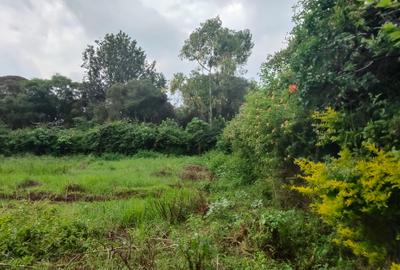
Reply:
x=210, y=113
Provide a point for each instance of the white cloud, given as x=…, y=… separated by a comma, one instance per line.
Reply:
x=42, y=37
x=234, y=16
x=42, y=34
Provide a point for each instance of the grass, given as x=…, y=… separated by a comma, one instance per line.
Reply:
x=145, y=216
x=93, y=175
x=124, y=193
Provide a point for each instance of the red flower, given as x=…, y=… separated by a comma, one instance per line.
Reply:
x=292, y=88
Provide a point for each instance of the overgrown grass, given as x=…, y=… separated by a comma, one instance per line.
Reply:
x=159, y=222
x=126, y=192
x=92, y=175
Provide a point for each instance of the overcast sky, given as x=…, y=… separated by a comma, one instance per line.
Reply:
x=39, y=38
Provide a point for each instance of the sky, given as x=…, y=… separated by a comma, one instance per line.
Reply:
x=39, y=38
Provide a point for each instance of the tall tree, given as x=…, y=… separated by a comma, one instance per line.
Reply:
x=138, y=100
x=116, y=59
x=24, y=102
x=218, y=50
x=69, y=99
x=228, y=94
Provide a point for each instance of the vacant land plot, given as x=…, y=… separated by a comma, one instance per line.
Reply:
x=158, y=212
x=53, y=209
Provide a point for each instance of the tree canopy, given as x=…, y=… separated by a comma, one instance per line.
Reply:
x=215, y=47
x=139, y=100
x=116, y=59
x=218, y=51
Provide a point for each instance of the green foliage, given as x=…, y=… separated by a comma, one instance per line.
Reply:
x=219, y=51
x=125, y=138
x=270, y=130
x=359, y=197
x=116, y=59
x=197, y=251
x=227, y=94
x=382, y=127
x=296, y=236
x=44, y=236
x=27, y=102
x=341, y=67
x=171, y=138
x=231, y=168
x=176, y=207
x=214, y=46
x=137, y=100
x=201, y=136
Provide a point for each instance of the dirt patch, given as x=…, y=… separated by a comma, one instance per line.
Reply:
x=29, y=183
x=156, y=193
x=44, y=195
x=74, y=188
x=196, y=172
x=164, y=172
x=202, y=205
x=76, y=196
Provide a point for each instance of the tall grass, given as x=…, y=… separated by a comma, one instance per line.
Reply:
x=94, y=175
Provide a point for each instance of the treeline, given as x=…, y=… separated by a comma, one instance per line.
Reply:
x=125, y=138
x=326, y=123
x=121, y=84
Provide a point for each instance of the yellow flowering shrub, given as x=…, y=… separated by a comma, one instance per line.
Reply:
x=360, y=198
x=395, y=266
x=326, y=125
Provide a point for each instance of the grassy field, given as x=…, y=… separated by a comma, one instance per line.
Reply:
x=154, y=212
x=91, y=198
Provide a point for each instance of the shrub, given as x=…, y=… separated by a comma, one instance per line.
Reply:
x=379, y=124
x=293, y=236
x=269, y=132
x=126, y=138
x=201, y=136
x=359, y=196
x=171, y=138
x=198, y=252
x=232, y=168
x=38, y=141
x=44, y=236
x=3, y=138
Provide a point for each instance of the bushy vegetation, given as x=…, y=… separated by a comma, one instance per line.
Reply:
x=305, y=176
x=125, y=138
x=359, y=197
x=45, y=236
x=332, y=91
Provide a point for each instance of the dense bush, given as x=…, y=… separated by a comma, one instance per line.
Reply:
x=125, y=138
x=45, y=236
x=232, y=168
x=359, y=196
x=270, y=131
x=334, y=87
x=201, y=136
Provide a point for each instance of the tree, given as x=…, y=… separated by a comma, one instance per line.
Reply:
x=228, y=94
x=69, y=99
x=116, y=59
x=139, y=100
x=217, y=50
x=24, y=102
x=11, y=102
x=40, y=103
x=10, y=85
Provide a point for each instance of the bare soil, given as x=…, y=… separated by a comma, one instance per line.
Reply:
x=196, y=172
x=28, y=183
